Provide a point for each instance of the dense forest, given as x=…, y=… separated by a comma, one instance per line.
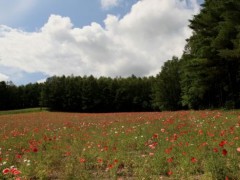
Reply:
x=206, y=76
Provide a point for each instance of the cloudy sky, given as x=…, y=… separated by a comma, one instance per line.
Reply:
x=42, y=38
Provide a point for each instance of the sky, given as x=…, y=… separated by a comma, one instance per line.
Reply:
x=43, y=38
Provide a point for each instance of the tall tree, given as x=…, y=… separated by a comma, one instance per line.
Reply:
x=167, y=91
x=210, y=74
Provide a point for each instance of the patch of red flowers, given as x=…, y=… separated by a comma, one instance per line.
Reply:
x=13, y=171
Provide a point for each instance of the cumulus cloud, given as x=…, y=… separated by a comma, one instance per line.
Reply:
x=106, y=4
x=139, y=43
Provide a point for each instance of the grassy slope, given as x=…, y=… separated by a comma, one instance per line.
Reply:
x=19, y=111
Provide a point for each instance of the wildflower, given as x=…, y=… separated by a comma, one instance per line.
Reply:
x=168, y=151
x=170, y=160
x=153, y=145
x=170, y=173
x=82, y=160
x=200, y=132
x=99, y=160
x=193, y=160
x=224, y=152
x=18, y=156
x=151, y=154
x=238, y=149
x=222, y=143
x=6, y=171
x=215, y=149
x=110, y=166
x=155, y=135
x=15, y=171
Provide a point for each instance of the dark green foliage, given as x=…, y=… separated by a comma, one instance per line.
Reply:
x=210, y=64
x=167, y=89
x=89, y=94
x=12, y=97
x=80, y=94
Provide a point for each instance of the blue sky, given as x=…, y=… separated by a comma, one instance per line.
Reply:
x=41, y=38
x=81, y=12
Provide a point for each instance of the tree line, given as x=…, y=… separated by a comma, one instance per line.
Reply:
x=207, y=75
x=81, y=94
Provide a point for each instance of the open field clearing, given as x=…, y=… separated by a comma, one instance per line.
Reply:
x=166, y=145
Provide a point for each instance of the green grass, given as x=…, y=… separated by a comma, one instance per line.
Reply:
x=181, y=145
x=20, y=111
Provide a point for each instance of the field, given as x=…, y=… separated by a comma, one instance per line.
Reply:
x=166, y=145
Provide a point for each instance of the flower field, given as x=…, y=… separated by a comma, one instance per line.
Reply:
x=158, y=145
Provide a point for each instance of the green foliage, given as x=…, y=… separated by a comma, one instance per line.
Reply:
x=167, y=90
x=210, y=63
x=90, y=94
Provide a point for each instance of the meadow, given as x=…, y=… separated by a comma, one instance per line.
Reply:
x=156, y=145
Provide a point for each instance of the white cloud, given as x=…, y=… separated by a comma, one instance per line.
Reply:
x=106, y=4
x=3, y=77
x=42, y=80
x=139, y=43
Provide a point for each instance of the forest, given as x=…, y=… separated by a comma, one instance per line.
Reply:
x=206, y=76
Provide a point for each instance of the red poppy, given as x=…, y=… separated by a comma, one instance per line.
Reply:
x=170, y=173
x=34, y=149
x=15, y=171
x=170, y=160
x=6, y=171
x=193, y=160
x=18, y=156
x=168, y=151
x=224, y=152
x=215, y=149
x=155, y=135
x=82, y=160
x=110, y=166
x=99, y=160
x=222, y=143
x=153, y=145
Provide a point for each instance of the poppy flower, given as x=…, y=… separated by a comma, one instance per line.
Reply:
x=6, y=171
x=15, y=171
x=222, y=143
x=110, y=166
x=170, y=173
x=193, y=160
x=224, y=152
x=155, y=135
x=153, y=145
x=99, y=160
x=18, y=156
x=82, y=160
x=170, y=160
